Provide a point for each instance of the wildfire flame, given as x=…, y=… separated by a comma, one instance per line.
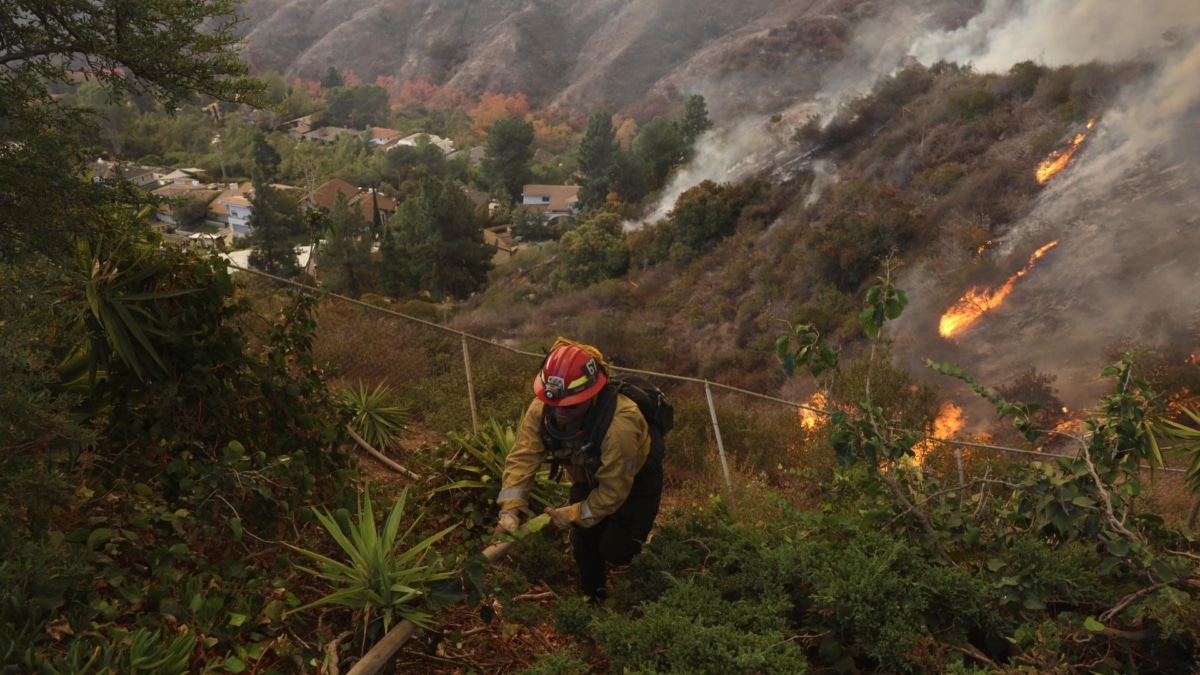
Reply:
x=809, y=419
x=978, y=302
x=1059, y=158
x=950, y=421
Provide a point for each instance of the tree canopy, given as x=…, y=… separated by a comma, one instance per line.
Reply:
x=438, y=243
x=597, y=158
x=168, y=49
x=509, y=155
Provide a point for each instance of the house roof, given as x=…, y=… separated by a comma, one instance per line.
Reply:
x=183, y=175
x=562, y=197
x=479, y=198
x=542, y=156
x=381, y=135
x=325, y=196
x=328, y=134
x=171, y=190
x=236, y=194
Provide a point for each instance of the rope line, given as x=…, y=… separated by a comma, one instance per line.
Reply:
x=682, y=378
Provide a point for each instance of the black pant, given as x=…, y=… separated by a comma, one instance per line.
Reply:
x=618, y=537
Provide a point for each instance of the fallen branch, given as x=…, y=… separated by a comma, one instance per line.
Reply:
x=391, y=643
x=535, y=596
x=380, y=456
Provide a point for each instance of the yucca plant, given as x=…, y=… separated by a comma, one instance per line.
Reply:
x=376, y=415
x=481, y=457
x=379, y=579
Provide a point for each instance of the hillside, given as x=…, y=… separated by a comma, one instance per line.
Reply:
x=960, y=148
x=575, y=55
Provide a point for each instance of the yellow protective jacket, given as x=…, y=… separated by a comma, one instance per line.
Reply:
x=622, y=453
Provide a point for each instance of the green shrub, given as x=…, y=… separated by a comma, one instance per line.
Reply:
x=945, y=177
x=692, y=629
x=971, y=105
x=558, y=663
x=1023, y=78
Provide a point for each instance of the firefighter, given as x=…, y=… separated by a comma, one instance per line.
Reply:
x=580, y=424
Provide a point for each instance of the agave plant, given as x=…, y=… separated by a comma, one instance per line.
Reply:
x=377, y=417
x=481, y=458
x=378, y=578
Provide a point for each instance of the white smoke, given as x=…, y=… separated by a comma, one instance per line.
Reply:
x=1125, y=209
x=1058, y=32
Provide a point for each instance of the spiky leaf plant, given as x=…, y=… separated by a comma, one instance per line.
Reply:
x=376, y=415
x=479, y=460
x=381, y=578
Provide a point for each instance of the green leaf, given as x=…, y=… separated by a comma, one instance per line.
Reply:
x=1093, y=625
x=236, y=619
x=99, y=537
x=234, y=665
x=235, y=524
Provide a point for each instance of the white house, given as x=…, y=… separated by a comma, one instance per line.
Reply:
x=554, y=201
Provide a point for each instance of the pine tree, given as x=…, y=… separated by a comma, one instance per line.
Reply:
x=597, y=159
x=273, y=216
x=507, y=166
x=345, y=256
x=392, y=265
x=695, y=120
x=441, y=242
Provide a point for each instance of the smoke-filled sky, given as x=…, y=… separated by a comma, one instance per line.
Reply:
x=1127, y=211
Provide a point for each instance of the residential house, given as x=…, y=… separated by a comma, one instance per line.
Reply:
x=382, y=139
x=184, y=177
x=542, y=156
x=231, y=208
x=444, y=144
x=140, y=176
x=173, y=194
x=553, y=201
x=325, y=196
x=504, y=241
x=328, y=135
x=298, y=127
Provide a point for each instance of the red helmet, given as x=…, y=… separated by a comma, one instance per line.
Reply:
x=569, y=375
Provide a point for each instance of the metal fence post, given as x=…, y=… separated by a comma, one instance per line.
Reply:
x=470, y=386
x=958, y=456
x=712, y=410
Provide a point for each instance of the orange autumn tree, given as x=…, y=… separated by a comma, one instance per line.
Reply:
x=494, y=107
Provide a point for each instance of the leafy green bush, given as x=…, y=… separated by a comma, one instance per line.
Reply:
x=945, y=177
x=692, y=629
x=971, y=105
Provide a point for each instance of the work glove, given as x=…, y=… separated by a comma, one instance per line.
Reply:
x=560, y=518
x=508, y=523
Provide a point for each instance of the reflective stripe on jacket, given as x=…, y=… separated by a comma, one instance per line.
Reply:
x=622, y=454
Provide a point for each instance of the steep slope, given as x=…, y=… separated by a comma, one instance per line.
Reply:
x=570, y=54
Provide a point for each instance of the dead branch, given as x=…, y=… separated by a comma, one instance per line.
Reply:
x=380, y=456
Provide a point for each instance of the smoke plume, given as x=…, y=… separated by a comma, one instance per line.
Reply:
x=1125, y=210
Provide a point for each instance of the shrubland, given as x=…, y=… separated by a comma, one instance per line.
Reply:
x=179, y=493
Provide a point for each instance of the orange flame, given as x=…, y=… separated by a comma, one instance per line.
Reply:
x=977, y=302
x=1059, y=158
x=809, y=419
x=949, y=422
